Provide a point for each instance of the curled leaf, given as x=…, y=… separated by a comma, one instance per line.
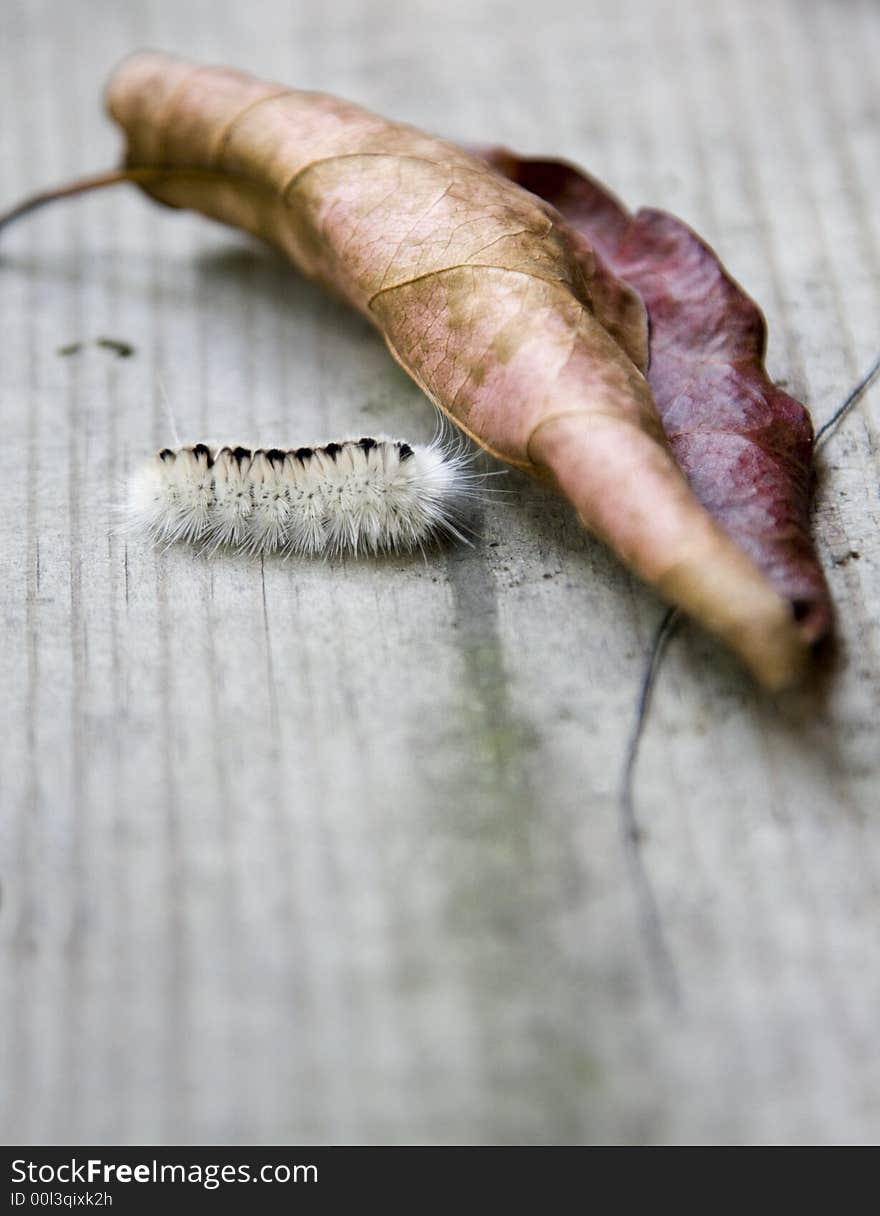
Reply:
x=499, y=309
x=745, y=446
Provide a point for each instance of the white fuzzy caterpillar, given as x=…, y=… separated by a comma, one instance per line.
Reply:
x=358, y=496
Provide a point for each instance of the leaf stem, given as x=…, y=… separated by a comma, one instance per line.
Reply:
x=136, y=174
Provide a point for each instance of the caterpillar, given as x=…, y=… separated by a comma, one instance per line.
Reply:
x=357, y=496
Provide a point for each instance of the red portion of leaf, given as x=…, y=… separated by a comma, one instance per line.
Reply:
x=745, y=446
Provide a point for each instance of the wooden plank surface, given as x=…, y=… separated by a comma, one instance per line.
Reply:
x=333, y=853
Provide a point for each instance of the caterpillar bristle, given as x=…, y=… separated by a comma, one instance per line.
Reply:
x=356, y=496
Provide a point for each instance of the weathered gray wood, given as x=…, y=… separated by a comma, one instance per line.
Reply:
x=332, y=853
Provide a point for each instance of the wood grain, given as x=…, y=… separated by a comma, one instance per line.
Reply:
x=333, y=853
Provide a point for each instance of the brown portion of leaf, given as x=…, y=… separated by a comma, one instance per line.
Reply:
x=496, y=308
x=745, y=446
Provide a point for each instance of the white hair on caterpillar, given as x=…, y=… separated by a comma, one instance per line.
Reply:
x=357, y=496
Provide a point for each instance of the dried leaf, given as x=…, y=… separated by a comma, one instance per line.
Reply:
x=745, y=446
x=491, y=302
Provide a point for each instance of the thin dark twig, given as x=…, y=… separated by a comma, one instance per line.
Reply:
x=662, y=962
x=661, y=958
x=847, y=404
x=663, y=635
